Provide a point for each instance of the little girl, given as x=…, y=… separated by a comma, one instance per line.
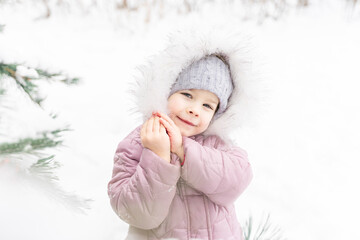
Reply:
x=175, y=177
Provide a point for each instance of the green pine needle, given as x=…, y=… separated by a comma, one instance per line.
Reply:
x=264, y=231
x=28, y=84
x=31, y=145
x=7, y=69
x=51, y=76
x=45, y=166
x=43, y=172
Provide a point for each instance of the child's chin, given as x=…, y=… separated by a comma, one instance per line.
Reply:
x=185, y=133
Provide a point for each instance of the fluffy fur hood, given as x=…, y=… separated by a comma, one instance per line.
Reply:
x=188, y=45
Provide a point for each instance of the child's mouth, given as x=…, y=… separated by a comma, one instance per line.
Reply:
x=187, y=122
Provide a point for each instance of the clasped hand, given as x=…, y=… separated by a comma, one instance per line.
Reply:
x=161, y=135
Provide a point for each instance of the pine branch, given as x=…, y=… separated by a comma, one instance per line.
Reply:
x=40, y=174
x=31, y=145
x=43, y=173
x=25, y=78
x=264, y=231
x=248, y=227
x=45, y=166
x=23, y=82
x=57, y=76
x=7, y=69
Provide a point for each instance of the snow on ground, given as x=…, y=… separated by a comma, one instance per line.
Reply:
x=304, y=153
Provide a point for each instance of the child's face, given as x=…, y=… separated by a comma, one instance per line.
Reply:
x=192, y=110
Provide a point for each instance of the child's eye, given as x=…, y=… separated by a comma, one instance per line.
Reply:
x=208, y=106
x=186, y=94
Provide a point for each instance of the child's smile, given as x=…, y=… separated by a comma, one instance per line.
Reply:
x=186, y=122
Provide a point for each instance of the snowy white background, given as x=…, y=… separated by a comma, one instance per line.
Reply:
x=305, y=152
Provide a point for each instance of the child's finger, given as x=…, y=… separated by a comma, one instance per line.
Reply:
x=150, y=125
x=156, y=126
x=162, y=129
x=167, y=125
x=166, y=117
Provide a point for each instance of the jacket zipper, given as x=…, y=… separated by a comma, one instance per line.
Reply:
x=183, y=197
x=208, y=223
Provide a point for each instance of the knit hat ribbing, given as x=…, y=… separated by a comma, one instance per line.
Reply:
x=211, y=74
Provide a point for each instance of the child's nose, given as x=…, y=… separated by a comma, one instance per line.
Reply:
x=193, y=111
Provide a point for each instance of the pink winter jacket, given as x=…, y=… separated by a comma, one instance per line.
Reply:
x=162, y=200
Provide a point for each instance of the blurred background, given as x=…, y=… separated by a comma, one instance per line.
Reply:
x=65, y=69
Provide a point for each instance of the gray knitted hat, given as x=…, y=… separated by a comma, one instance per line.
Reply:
x=209, y=73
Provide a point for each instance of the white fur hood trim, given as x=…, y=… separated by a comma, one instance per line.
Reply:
x=189, y=45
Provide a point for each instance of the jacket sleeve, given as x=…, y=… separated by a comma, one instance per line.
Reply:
x=143, y=184
x=221, y=172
